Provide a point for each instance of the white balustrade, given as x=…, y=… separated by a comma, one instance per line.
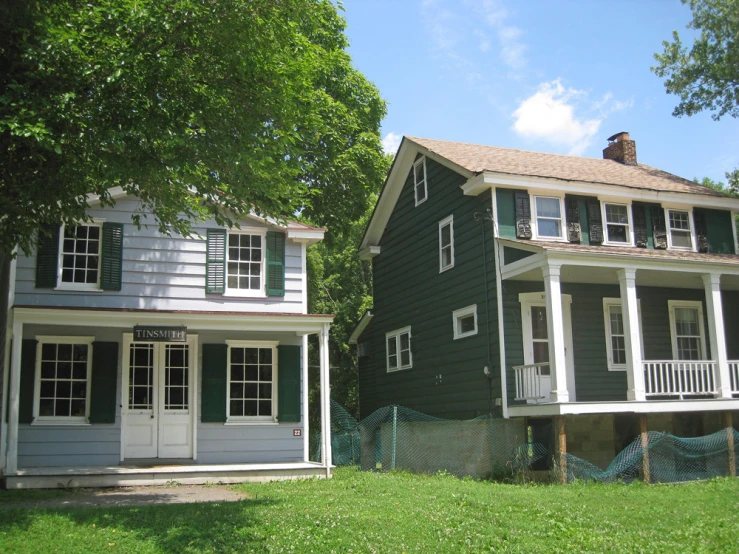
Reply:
x=680, y=378
x=734, y=376
x=533, y=381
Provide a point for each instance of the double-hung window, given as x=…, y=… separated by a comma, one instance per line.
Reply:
x=245, y=263
x=617, y=218
x=686, y=326
x=548, y=217
x=80, y=256
x=252, y=381
x=399, y=349
x=616, y=333
x=63, y=379
x=679, y=229
x=446, y=244
x=419, y=181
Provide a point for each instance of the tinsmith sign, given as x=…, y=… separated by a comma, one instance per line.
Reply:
x=159, y=334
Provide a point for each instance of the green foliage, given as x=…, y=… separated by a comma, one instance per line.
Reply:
x=706, y=77
x=398, y=512
x=200, y=108
x=711, y=184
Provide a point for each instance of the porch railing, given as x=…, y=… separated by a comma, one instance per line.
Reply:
x=529, y=384
x=679, y=378
x=734, y=376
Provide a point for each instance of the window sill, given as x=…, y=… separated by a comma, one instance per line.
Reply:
x=465, y=335
x=235, y=294
x=246, y=423
x=447, y=268
x=79, y=289
x=616, y=368
x=394, y=370
x=60, y=423
x=421, y=202
x=622, y=244
x=551, y=239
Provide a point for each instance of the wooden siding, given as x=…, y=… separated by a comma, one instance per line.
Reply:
x=506, y=215
x=447, y=376
x=162, y=273
x=593, y=381
x=99, y=444
x=719, y=233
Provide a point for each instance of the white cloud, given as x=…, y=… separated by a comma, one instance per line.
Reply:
x=391, y=143
x=512, y=48
x=555, y=114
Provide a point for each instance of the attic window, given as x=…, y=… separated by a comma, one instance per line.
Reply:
x=419, y=181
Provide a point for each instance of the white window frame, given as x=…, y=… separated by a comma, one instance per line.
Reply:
x=248, y=420
x=629, y=226
x=396, y=335
x=607, y=303
x=562, y=218
x=695, y=304
x=63, y=285
x=443, y=223
x=248, y=293
x=691, y=223
x=61, y=420
x=460, y=314
x=416, y=183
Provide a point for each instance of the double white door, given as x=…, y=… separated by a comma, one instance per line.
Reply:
x=158, y=385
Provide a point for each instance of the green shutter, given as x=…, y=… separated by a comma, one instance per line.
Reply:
x=288, y=383
x=104, y=382
x=275, y=282
x=47, y=256
x=215, y=266
x=28, y=378
x=215, y=383
x=112, y=262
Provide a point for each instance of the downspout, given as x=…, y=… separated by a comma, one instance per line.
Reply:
x=482, y=218
x=501, y=329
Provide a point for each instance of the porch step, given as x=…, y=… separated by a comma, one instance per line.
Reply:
x=120, y=476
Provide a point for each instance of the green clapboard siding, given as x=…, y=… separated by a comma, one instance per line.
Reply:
x=506, y=213
x=719, y=231
x=288, y=380
x=104, y=382
x=215, y=383
x=28, y=377
x=447, y=376
x=511, y=255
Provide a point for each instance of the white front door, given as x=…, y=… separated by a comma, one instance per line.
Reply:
x=158, y=411
x=536, y=340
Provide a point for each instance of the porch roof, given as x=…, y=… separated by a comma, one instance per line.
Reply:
x=620, y=251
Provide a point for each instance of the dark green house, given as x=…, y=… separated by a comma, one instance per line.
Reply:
x=595, y=297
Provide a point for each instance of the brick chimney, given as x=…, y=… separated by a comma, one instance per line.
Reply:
x=620, y=149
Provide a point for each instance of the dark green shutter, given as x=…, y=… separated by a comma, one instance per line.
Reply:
x=47, y=256
x=104, y=381
x=640, y=225
x=112, y=262
x=215, y=383
x=523, y=214
x=701, y=234
x=215, y=267
x=28, y=379
x=595, y=221
x=659, y=228
x=288, y=383
x=275, y=264
x=572, y=208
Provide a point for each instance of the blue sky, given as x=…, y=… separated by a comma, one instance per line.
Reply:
x=555, y=77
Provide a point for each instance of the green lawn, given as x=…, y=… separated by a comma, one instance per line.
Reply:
x=366, y=512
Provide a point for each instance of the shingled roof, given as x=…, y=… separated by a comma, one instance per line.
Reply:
x=478, y=158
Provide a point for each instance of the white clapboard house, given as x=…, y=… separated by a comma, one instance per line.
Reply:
x=140, y=358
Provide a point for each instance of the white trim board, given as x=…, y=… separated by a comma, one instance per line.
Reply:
x=624, y=407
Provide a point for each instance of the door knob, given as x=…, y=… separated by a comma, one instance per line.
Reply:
x=152, y=416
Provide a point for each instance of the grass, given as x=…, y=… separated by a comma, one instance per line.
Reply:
x=370, y=512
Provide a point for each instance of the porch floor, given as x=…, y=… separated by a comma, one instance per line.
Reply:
x=145, y=474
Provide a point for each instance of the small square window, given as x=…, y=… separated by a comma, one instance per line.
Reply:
x=465, y=322
x=420, y=187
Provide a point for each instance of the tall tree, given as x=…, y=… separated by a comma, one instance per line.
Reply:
x=199, y=107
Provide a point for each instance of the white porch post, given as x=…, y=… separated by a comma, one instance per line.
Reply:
x=325, y=401
x=11, y=461
x=716, y=333
x=304, y=416
x=555, y=327
x=630, y=315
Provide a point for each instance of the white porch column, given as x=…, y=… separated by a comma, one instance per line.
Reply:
x=555, y=328
x=716, y=333
x=325, y=400
x=630, y=316
x=304, y=416
x=11, y=461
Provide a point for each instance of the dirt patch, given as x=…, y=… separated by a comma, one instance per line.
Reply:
x=134, y=496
